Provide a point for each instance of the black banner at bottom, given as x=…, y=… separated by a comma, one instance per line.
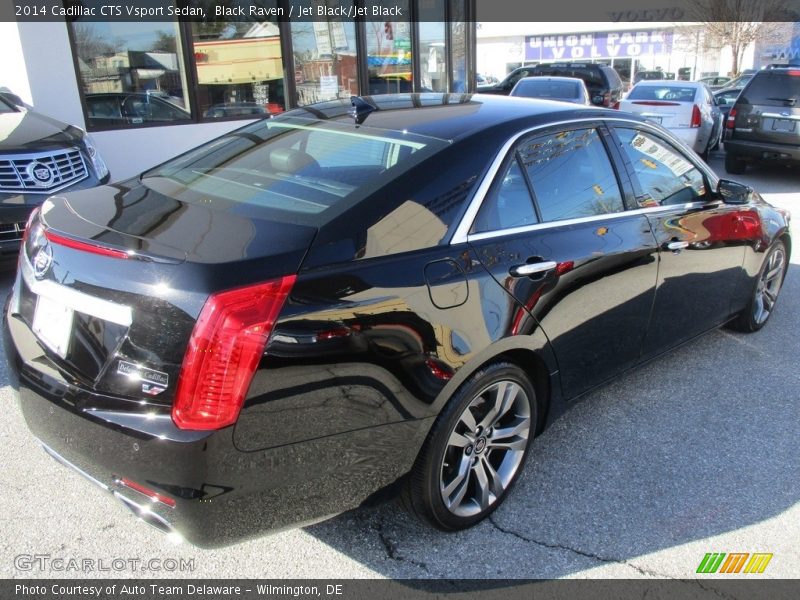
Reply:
x=405, y=589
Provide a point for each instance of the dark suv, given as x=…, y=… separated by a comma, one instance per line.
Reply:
x=603, y=82
x=764, y=123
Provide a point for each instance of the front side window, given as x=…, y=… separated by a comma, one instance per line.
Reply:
x=665, y=176
x=131, y=74
x=571, y=175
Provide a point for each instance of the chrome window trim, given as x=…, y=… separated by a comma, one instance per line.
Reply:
x=462, y=233
x=484, y=235
x=77, y=301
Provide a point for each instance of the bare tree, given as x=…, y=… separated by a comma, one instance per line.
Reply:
x=738, y=23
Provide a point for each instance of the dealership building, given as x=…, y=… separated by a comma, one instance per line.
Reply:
x=148, y=90
x=678, y=50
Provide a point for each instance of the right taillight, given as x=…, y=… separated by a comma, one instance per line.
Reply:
x=224, y=351
x=730, y=122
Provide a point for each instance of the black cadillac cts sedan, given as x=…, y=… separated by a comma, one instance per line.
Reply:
x=392, y=296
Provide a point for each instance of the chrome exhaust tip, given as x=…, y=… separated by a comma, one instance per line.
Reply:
x=145, y=514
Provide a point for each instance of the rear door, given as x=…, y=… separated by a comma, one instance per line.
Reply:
x=701, y=240
x=554, y=232
x=767, y=110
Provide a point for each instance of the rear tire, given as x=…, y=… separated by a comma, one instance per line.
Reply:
x=734, y=165
x=475, y=450
x=765, y=291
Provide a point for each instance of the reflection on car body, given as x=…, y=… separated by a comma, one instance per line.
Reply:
x=313, y=308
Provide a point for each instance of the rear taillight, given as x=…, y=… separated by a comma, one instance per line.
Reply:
x=84, y=246
x=224, y=351
x=730, y=122
x=31, y=219
x=615, y=106
x=695, y=116
x=607, y=99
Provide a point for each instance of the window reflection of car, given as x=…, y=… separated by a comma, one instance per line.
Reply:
x=38, y=157
x=235, y=109
x=131, y=108
x=565, y=89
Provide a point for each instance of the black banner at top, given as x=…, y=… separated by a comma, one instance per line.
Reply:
x=619, y=11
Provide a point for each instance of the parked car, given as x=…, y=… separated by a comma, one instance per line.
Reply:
x=131, y=108
x=764, y=122
x=38, y=157
x=236, y=109
x=270, y=328
x=604, y=84
x=738, y=82
x=714, y=83
x=566, y=89
x=725, y=99
x=686, y=108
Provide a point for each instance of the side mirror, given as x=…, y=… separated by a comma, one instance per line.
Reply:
x=733, y=192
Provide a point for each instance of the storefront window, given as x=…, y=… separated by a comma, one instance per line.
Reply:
x=239, y=68
x=389, y=52
x=131, y=74
x=325, y=66
x=432, y=47
x=458, y=40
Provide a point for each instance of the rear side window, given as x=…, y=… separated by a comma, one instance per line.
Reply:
x=571, y=175
x=591, y=76
x=508, y=205
x=665, y=176
x=773, y=88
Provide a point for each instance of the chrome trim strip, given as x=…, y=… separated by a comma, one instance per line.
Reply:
x=72, y=466
x=78, y=301
x=485, y=235
x=782, y=117
x=462, y=235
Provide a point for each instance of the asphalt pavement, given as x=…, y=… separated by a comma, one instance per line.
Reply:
x=696, y=452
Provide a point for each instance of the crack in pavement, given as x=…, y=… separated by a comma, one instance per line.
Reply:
x=605, y=559
x=393, y=553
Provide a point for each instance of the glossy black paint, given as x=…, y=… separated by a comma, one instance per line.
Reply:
x=386, y=319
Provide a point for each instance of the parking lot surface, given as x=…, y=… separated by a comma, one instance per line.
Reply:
x=697, y=452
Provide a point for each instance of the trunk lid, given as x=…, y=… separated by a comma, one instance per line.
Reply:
x=112, y=280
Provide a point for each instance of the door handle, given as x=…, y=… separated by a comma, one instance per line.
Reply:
x=527, y=270
x=676, y=246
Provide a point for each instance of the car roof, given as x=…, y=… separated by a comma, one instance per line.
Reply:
x=452, y=116
x=553, y=78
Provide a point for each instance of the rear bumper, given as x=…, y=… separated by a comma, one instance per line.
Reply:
x=763, y=151
x=221, y=495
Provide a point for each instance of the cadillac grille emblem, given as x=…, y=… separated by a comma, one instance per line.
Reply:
x=40, y=173
x=42, y=259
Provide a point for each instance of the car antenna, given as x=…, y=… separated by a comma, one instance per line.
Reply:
x=361, y=109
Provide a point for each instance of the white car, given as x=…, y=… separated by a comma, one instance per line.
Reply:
x=686, y=108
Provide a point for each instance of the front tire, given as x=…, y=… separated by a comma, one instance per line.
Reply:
x=765, y=293
x=475, y=450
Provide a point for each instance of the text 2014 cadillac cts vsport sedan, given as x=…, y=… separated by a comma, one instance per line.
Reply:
x=397, y=296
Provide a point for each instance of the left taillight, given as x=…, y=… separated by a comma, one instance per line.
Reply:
x=696, y=116
x=224, y=351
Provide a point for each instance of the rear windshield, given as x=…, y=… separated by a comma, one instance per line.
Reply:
x=591, y=76
x=772, y=88
x=300, y=167
x=675, y=93
x=548, y=89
